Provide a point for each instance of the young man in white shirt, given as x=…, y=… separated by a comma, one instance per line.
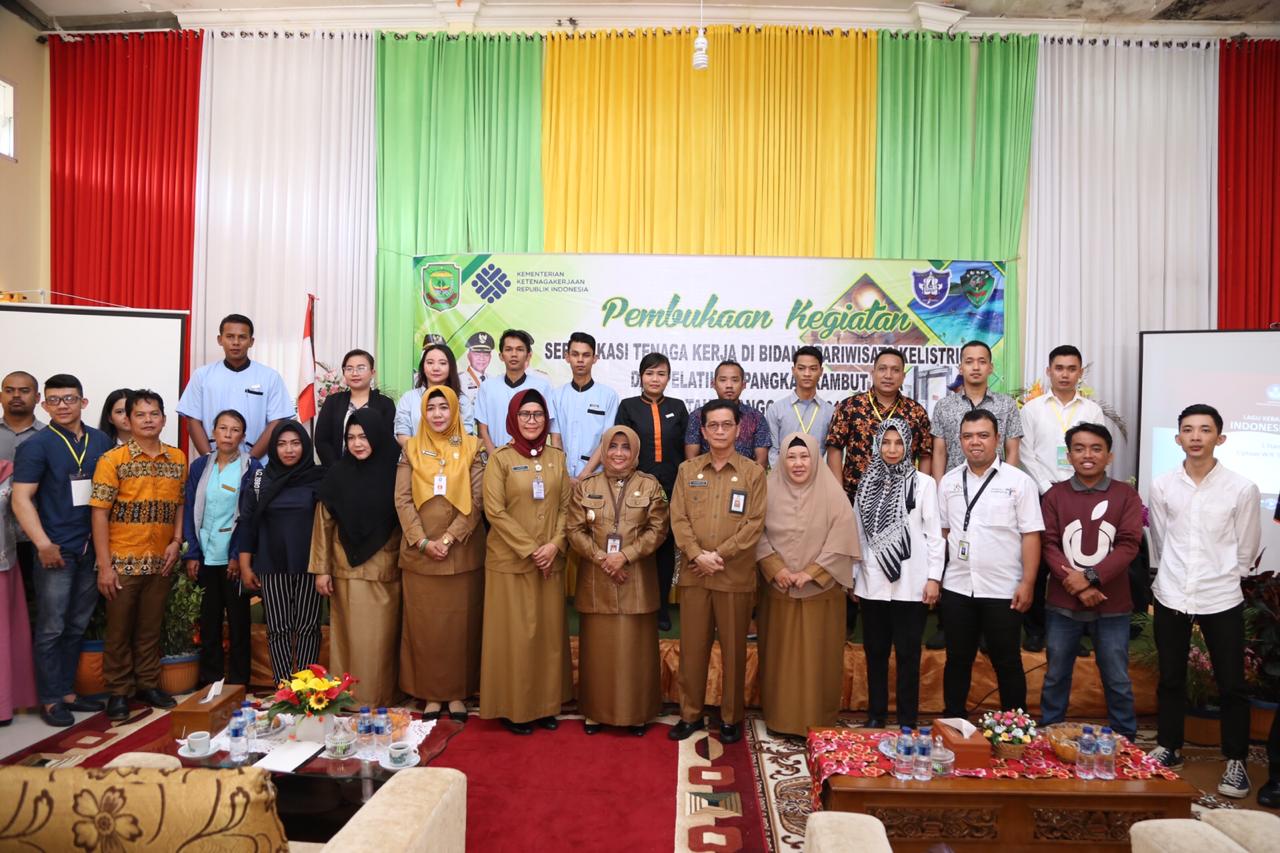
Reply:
x=990, y=514
x=1205, y=536
x=1043, y=451
x=583, y=409
x=516, y=351
x=802, y=410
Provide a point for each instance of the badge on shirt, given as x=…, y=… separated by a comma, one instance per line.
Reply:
x=231, y=489
x=698, y=483
x=439, y=485
x=963, y=553
x=519, y=467
x=1062, y=457
x=737, y=502
x=613, y=543
x=539, y=489
x=256, y=390
x=595, y=409
x=81, y=489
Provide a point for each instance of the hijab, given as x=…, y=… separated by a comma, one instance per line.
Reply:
x=279, y=476
x=522, y=445
x=632, y=461
x=809, y=522
x=360, y=493
x=886, y=496
x=428, y=448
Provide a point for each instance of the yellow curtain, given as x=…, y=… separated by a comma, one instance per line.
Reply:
x=770, y=151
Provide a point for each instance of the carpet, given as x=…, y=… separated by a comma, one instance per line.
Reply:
x=95, y=741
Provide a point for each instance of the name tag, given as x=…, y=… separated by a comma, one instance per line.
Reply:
x=231, y=489
x=698, y=484
x=520, y=468
x=539, y=490
x=81, y=489
x=670, y=414
x=595, y=410
x=737, y=502
x=439, y=484
x=1062, y=457
x=613, y=543
x=255, y=390
x=595, y=497
x=963, y=553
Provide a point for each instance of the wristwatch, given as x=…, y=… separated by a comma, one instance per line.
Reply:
x=1092, y=577
x=446, y=540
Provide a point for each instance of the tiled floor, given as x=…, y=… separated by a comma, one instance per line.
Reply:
x=27, y=728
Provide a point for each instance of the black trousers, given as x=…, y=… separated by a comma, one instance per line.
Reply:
x=992, y=619
x=897, y=625
x=1224, y=639
x=222, y=595
x=666, y=557
x=1033, y=620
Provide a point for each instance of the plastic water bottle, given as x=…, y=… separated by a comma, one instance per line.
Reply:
x=904, y=763
x=1086, y=754
x=250, y=715
x=924, y=755
x=239, y=750
x=381, y=732
x=1105, y=763
x=364, y=732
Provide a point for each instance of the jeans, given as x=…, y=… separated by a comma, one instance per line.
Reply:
x=1224, y=638
x=967, y=619
x=1111, y=642
x=896, y=625
x=65, y=599
x=221, y=594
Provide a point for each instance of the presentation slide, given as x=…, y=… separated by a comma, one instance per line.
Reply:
x=1238, y=373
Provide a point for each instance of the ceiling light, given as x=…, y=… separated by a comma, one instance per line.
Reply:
x=700, y=50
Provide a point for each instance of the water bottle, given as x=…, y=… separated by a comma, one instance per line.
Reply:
x=364, y=732
x=250, y=715
x=1086, y=753
x=924, y=755
x=239, y=750
x=381, y=732
x=904, y=764
x=1105, y=763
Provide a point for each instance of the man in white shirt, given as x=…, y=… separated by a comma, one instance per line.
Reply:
x=1205, y=537
x=583, y=408
x=990, y=513
x=1043, y=451
x=515, y=349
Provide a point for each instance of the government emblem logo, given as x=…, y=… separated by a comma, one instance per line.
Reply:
x=441, y=286
x=978, y=285
x=931, y=286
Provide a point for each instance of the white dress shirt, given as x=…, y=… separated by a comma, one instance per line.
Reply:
x=1008, y=508
x=1045, y=421
x=1205, y=538
x=924, y=527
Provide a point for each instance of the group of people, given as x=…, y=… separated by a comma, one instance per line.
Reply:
x=439, y=529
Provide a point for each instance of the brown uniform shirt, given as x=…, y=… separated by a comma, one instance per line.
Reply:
x=642, y=525
x=329, y=558
x=704, y=517
x=434, y=519
x=519, y=524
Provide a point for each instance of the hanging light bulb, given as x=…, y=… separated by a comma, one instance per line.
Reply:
x=700, y=50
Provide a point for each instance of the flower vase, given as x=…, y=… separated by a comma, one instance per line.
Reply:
x=310, y=728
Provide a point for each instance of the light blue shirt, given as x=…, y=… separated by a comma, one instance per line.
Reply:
x=409, y=412
x=583, y=417
x=494, y=397
x=814, y=418
x=220, y=498
x=257, y=392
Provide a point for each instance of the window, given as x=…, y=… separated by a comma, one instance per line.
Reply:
x=6, y=119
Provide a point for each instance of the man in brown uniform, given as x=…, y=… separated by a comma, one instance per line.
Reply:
x=717, y=514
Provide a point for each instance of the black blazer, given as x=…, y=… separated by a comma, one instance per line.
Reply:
x=329, y=436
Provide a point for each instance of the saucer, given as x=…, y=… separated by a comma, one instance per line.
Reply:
x=386, y=764
x=184, y=752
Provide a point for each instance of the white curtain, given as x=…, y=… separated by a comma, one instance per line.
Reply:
x=1123, y=225
x=285, y=186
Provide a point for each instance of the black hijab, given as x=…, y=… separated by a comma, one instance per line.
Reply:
x=279, y=476
x=360, y=494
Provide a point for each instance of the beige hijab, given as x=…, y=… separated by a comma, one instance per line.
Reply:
x=809, y=522
x=632, y=439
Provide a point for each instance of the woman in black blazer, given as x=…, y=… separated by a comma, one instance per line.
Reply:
x=331, y=423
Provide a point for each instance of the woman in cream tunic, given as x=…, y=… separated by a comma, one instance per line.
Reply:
x=524, y=663
x=441, y=555
x=806, y=554
x=617, y=519
x=354, y=541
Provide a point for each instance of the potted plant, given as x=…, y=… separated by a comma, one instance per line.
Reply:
x=1262, y=630
x=89, y=680
x=1008, y=732
x=179, y=639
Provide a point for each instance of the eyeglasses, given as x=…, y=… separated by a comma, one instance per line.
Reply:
x=725, y=427
x=356, y=368
x=531, y=417
x=68, y=399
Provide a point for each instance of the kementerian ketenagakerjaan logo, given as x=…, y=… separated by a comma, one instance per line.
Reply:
x=931, y=286
x=491, y=283
x=441, y=285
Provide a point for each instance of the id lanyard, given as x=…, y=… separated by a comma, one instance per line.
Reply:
x=79, y=459
x=817, y=407
x=613, y=542
x=970, y=504
x=876, y=409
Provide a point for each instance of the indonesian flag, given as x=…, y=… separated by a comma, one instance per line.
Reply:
x=307, y=368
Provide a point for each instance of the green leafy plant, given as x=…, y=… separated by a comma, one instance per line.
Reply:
x=1262, y=630
x=181, y=617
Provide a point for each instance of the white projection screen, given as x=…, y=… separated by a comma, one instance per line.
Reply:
x=1238, y=373
x=105, y=348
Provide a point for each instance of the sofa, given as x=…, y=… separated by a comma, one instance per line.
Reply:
x=1217, y=831
x=845, y=832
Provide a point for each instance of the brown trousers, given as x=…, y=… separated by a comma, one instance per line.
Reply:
x=131, y=652
x=704, y=616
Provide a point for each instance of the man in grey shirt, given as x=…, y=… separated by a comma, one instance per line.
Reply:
x=975, y=368
x=802, y=410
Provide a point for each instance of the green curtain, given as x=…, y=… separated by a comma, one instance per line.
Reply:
x=952, y=154
x=459, y=166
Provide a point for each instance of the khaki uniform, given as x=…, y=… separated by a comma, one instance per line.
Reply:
x=443, y=599
x=720, y=511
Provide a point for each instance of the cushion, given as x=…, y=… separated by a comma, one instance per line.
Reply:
x=844, y=832
x=1254, y=831
x=131, y=808
x=1172, y=835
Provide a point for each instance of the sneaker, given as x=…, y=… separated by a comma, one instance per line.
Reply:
x=1170, y=759
x=1235, y=780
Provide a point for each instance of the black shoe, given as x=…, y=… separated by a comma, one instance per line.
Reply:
x=432, y=715
x=7, y=721
x=592, y=728
x=730, y=732
x=874, y=723
x=57, y=716
x=548, y=723
x=638, y=731
x=458, y=716
x=1170, y=759
x=937, y=641
x=156, y=698
x=117, y=708
x=664, y=621
x=682, y=730
x=516, y=728
x=1269, y=794
x=1034, y=643
x=84, y=704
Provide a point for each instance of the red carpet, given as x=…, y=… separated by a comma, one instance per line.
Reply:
x=565, y=790
x=99, y=740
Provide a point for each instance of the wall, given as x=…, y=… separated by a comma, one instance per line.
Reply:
x=24, y=184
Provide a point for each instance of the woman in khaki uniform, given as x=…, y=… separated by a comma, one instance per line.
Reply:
x=617, y=519
x=806, y=555
x=524, y=664
x=441, y=555
x=353, y=556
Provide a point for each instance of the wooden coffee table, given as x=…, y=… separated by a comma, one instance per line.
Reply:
x=1016, y=814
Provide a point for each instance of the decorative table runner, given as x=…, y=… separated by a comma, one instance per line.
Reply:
x=854, y=752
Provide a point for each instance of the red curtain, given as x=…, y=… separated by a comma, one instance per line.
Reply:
x=1248, y=184
x=124, y=114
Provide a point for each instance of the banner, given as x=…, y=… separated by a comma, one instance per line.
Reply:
x=700, y=311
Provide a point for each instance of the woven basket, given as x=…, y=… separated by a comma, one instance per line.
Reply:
x=1009, y=751
x=1064, y=737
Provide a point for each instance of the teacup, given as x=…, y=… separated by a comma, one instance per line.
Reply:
x=401, y=754
x=198, y=743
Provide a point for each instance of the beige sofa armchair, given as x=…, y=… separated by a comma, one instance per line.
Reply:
x=1217, y=831
x=845, y=832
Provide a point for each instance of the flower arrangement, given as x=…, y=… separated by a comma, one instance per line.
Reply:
x=312, y=691
x=328, y=381
x=1009, y=732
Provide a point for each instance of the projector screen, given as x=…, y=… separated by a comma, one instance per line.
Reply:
x=1238, y=373
x=105, y=348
